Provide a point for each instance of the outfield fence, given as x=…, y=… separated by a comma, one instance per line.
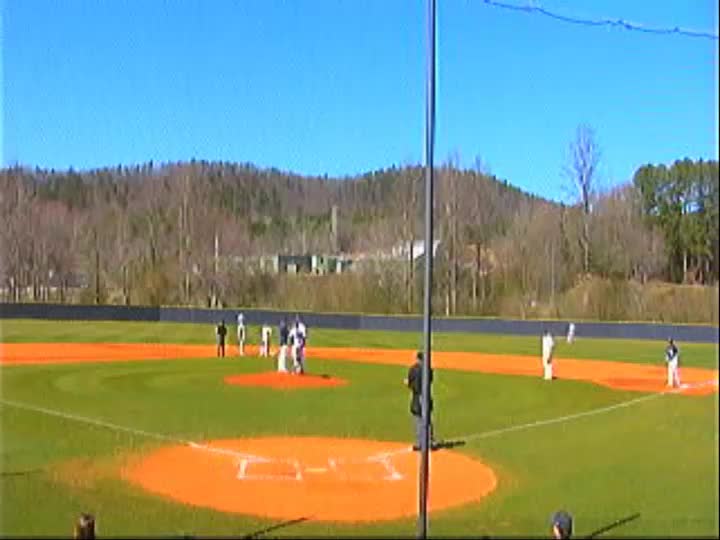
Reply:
x=620, y=330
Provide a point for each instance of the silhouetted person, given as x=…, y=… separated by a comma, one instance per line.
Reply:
x=414, y=382
x=220, y=333
x=562, y=524
x=85, y=526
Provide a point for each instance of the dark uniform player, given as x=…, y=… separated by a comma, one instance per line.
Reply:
x=672, y=357
x=220, y=333
x=414, y=383
x=283, y=334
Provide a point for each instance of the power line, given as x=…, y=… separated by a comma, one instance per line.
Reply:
x=619, y=23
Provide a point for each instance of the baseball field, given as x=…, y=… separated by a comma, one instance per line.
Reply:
x=143, y=426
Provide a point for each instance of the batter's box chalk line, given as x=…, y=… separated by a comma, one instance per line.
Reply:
x=370, y=469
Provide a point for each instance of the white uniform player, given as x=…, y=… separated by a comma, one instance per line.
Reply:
x=571, y=333
x=672, y=357
x=548, y=345
x=298, y=337
x=266, y=332
x=241, y=333
x=302, y=329
x=293, y=342
x=284, y=335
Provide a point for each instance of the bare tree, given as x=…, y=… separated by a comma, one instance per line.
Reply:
x=582, y=170
x=449, y=201
x=407, y=195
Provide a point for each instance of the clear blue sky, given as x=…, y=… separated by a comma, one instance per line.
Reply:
x=337, y=86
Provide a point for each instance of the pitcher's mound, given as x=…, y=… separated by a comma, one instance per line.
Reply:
x=320, y=479
x=276, y=379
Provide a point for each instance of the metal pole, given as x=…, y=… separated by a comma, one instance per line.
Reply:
x=427, y=315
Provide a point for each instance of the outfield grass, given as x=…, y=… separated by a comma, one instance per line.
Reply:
x=656, y=458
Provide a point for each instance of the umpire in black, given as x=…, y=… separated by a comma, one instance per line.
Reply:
x=414, y=383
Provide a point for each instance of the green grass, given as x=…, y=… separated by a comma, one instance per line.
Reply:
x=657, y=458
x=638, y=351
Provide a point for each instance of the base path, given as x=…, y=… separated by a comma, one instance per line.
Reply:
x=313, y=478
x=617, y=375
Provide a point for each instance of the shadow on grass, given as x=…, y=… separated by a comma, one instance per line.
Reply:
x=439, y=445
x=7, y=474
x=612, y=525
x=280, y=525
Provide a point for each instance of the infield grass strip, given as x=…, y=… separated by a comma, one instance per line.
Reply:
x=634, y=351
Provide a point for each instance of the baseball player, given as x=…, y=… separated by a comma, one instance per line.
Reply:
x=265, y=332
x=548, y=345
x=220, y=332
x=301, y=326
x=241, y=332
x=571, y=333
x=414, y=382
x=292, y=341
x=299, y=346
x=298, y=329
x=672, y=357
x=284, y=335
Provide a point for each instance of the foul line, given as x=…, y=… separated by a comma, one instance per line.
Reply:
x=375, y=457
x=566, y=418
x=161, y=437
x=118, y=427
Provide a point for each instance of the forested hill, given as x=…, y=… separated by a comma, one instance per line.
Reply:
x=179, y=233
x=268, y=210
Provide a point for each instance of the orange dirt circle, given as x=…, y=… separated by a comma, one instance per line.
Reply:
x=284, y=381
x=316, y=478
x=615, y=375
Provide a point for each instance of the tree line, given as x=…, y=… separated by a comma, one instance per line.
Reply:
x=185, y=233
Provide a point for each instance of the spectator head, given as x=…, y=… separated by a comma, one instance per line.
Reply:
x=85, y=526
x=562, y=524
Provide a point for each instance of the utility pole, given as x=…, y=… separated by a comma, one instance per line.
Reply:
x=427, y=315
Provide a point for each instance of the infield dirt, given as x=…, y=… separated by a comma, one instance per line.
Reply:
x=616, y=375
x=314, y=478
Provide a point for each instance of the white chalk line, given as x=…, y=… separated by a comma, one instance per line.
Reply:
x=118, y=427
x=569, y=417
x=381, y=456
